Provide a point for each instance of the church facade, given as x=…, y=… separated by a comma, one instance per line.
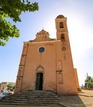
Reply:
x=46, y=64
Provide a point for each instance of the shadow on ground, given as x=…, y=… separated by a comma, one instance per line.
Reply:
x=72, y=101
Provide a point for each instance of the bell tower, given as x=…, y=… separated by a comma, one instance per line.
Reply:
x=65, y=67
x=61, y=27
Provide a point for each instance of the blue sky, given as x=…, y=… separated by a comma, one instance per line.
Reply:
x=79, y=15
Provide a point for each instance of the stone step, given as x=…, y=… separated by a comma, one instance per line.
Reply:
x=32, y=98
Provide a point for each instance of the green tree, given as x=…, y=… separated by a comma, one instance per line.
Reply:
x=10, y=87
x=89, y=82
x=12, y=9
x=90, y=85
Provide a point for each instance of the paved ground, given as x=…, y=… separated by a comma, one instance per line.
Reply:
x=84, y=99
x=26, y=106
x=30, y=106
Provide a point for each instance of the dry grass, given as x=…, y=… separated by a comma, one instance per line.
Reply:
x=84, y=99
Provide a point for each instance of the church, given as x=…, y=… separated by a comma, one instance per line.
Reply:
x=46, y=64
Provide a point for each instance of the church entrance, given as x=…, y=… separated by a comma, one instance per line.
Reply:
x=39, y=81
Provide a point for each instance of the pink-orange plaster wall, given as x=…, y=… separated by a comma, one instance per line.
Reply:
x=55, y=63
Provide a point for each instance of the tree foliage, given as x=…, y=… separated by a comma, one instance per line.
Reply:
x=12, y=9
x=10, y=87
x=89, y=82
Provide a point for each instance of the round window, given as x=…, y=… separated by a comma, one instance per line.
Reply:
x=63, y=48
x=41, y=49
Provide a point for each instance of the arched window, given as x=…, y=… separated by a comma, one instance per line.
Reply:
x=62, y=37
x=61, y=25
